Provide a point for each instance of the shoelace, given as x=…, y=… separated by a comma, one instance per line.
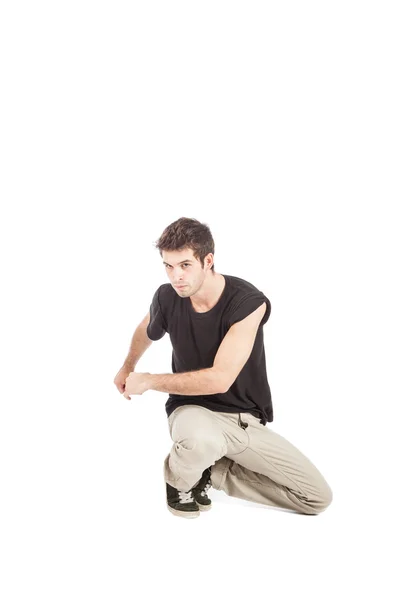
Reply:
x=185, y=496
x=206, y=488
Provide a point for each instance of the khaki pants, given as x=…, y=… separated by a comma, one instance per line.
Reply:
x=253, y=463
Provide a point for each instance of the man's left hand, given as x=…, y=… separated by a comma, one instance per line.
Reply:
x=136, y=383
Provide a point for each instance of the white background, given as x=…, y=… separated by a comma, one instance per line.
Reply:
x=277, y=124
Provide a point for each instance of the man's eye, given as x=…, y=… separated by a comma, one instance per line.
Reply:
x=184, y=264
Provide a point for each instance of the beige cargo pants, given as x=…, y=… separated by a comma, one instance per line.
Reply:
x=250, y=462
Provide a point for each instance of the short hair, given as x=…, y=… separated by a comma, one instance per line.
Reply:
x=187, y=233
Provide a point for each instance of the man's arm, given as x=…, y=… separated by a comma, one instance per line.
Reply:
x=236, y=347
x=191, y=383
x=139, y=344
x=232, y=355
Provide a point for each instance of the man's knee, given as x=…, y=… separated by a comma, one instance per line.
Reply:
x=322, y=500
x=197, y=446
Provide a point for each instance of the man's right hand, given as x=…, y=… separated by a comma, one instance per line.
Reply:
x=120, y=378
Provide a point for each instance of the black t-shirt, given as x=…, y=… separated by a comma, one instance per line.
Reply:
x=196, y=337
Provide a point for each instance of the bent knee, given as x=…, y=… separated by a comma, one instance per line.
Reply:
x=321, y=500
x=198, y=446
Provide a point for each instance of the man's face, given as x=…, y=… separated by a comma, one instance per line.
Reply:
x=184, y=270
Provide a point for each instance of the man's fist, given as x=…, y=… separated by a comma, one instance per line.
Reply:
x=136, y=383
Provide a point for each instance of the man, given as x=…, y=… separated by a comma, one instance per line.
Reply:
x=219, y=396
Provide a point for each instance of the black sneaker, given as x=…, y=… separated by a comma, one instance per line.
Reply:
x=200, y=490
x=181, y=504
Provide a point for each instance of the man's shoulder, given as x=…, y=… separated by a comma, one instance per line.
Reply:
x=245, y=298
x=166, y=293
x=164, y=288
x=240, y=285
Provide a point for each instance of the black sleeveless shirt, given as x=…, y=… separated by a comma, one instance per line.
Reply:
x=196, y=337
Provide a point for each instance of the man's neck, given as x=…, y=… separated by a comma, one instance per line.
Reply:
x=210, y=293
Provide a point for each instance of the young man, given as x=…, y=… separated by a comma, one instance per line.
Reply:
x=219, y=396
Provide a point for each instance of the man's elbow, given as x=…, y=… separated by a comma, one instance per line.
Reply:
x=223, y=382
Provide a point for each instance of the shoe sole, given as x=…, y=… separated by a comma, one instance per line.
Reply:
x=204, y=507
x=182, y=513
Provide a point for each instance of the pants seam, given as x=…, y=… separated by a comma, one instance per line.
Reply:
x=223, y=474
x=279, y=471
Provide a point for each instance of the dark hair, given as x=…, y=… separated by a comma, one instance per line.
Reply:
x=187, y=233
